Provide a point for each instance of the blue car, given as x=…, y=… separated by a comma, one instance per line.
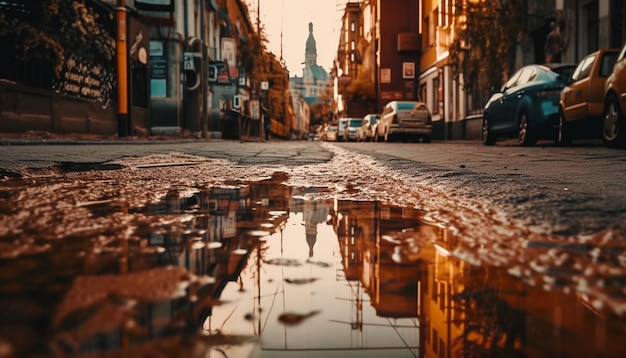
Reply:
x=527, y=105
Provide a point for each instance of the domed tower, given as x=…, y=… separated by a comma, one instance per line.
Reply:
x=310, y=54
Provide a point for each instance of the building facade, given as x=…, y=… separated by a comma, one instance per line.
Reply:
x=405, y=46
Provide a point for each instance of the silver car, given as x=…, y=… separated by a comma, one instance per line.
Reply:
x=352, y=129
x=408, y=119
x=341, y=128
x=366, y=131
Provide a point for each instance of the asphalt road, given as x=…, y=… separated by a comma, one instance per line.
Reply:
x=542, y=210
x=574, y=190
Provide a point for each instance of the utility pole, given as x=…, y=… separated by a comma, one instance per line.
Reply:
x=258, y=17
x=122, y=70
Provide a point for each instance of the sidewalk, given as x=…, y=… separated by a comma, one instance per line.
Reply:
x=43, y=137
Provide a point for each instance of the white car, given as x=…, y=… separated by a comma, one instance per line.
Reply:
x=341, y=128
x=366, y=131
x=330, y=133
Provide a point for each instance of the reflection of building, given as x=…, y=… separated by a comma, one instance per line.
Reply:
x=314, y=212
x=392, y=287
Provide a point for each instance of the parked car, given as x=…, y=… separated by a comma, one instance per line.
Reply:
x=614, y=122
x=365, y=132
x=341, y=128
x=330, y=133
x=350, y=134
x=582, y=100
x=527, y=105
x=410, y=119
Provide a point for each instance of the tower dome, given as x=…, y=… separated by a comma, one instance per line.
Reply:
x=310, y=54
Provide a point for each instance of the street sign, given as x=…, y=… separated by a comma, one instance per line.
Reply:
x=265, y=85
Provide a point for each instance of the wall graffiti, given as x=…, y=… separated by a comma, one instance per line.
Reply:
x=86, y=80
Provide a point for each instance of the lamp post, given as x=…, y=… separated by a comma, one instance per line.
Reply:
x=122, y=70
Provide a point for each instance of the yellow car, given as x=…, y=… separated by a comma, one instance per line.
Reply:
x=581, y=106
x=614, y=123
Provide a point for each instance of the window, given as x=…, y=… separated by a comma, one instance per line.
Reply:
x=608, y=61
x=511, y=82
x=526, y=76
x=352, y=26
x=435, y=104
x=583, y=69
x=352, y=45
x=426, y=34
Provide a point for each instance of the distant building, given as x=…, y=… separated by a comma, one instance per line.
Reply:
x=311, y=85
x=314, y=78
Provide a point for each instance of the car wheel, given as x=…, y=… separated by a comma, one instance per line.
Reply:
x=524, y=134
x=487, y=136
x=564, y=137
x=613, y=123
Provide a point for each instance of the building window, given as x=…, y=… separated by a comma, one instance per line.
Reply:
x=352, y=26
x=426, y=33
x=352, y=45
x=435, y=103
x=352, y=57
x=431, y=28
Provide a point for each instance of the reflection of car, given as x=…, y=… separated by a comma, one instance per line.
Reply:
x=350, y=134
x=582, y=100
x=614, y=122
x=365, y=131
x=527, y=105
x=404, y=118
x=330, y=133
x=341, y=128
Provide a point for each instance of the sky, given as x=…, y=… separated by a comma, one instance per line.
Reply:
x=292, y=17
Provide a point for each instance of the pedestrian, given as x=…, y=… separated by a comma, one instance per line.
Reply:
x=552, y=48
x=267, y=125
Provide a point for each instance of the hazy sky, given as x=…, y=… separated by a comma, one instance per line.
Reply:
x=293, y=17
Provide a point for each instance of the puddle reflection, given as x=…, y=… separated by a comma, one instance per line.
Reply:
x=262, y=270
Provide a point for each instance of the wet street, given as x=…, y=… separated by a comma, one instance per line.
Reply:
x=312, y=249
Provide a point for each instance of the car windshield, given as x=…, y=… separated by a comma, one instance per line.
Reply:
x=406, y=105
x=564, y=72
x=355, y=122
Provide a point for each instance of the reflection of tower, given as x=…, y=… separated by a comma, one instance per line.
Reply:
x=315, y=212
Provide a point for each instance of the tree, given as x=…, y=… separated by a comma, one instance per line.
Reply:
x=321, y=111
x=46, y=29
x=261, y=66
x=485, y=43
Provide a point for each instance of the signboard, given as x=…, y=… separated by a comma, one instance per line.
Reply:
x=408, y=70
x=385, y=75
x=155, y=5
x=85, y=79
x=229, y=55
x=218, y=72
x=158, y=70
x=265, y=85
x=390, y=95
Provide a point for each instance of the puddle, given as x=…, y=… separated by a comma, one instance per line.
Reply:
x=268, y=270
